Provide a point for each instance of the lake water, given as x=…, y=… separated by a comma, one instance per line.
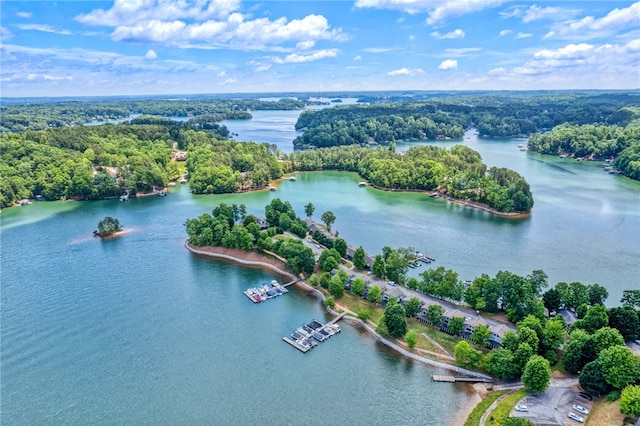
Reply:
x=136, y=330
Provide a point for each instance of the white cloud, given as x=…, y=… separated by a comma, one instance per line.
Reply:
x=25, y=15
x=450, y=35
x=406, y=71
x=378, y=49
x=151, y=54
x=208, y=24
x=523, y=35
x=497, y=71
x=610, y=60
x=357, y=58
x=505, y=32
x=5, y=33
x=535, y=13
x=438, y=10
x=295, y=58
x=448, y=64
x=590, y=27
x=43, y=28
x=463, y=51
x=127, y=12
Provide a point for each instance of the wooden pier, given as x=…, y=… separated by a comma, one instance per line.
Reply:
x=462, y=379
x=292, y=282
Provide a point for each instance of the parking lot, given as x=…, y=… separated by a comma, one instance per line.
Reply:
x=553, y=406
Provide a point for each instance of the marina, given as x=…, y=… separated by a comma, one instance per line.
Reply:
x=265, y=292
x=309, y=335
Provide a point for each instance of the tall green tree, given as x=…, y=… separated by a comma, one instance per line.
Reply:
x=359, y=258
x=592, y=381
x=357, y=286
x=456, y=325
x=434, y=314
x=340, y=246
x=412, y=307
x=626, y=321
x=618, y=366
x=374, y=294
x=499, y=362
x=466, y=356
x=480, y=335
x=597, y=294
x=411, y=338
x=309, y=209
x=395, y=320
x=537, y=374
x=378, y=268
x=328, y=218
x=631, y=299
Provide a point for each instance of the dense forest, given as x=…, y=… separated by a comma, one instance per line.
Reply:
x=457, y=172
x=446, y=118
x=594, y=142
x=19, y=117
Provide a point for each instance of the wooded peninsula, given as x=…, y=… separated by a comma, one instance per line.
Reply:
x=45, y=155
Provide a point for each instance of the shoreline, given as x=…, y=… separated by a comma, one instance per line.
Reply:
x=256, y=260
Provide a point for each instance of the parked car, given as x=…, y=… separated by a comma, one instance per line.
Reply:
x=521, y=407
x=580, y=409
x=585, y=396
x=575, y=417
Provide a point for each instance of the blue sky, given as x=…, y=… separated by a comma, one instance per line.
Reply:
x=143, y=47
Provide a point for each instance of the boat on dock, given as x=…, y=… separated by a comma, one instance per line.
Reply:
x=309, y=335
x=265, y=292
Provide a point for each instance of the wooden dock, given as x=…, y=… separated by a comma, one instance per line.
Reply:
x=306, y=343
x=292, y=282
x=459, y=379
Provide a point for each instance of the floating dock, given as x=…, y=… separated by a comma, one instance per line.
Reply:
x=265, y=292
x=463, y=379
x=309, y=335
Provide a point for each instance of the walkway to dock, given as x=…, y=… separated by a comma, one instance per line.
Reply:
x=292, y=282
x=454, y=379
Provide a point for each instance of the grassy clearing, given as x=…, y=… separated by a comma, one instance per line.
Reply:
x=355, y=303
x=605, y=413
x=476, y=414
x=506, y=405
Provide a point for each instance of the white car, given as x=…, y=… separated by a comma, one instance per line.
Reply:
x=521, y=407
x=575, y=417
x=580, y=409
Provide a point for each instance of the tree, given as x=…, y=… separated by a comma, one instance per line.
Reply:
x=529, y=336
x=328, y=218
x=552, y=300
x=630, y=299
x=412, y=307
x=108, y=226
x=308, y=209
x=456, y=325
x=592, y=381
x=411, y=338
x=374, y=294
x=618, y=366
x=336, y=286
x=578, y=294
x=340, y=246
x=554, y=332
x=625, y=320
x=536, y=374
x=606, y=337
x=499, y=362
x=597, y=294
x=434, y=314
x=574, y=358
x=466, y=356
x=363, y=314
x=630, y=400
x=357, y=286
x=395, y=320
x=480, y=335
x=359, y=258
x=595, y=319
x=521, y=356
x=378, y=268
x=330, y=302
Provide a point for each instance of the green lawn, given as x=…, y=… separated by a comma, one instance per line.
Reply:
x=506, y=405
x=476, y=414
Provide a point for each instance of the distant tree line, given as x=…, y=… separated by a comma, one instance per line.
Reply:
x=20, y=117
x=442, y=118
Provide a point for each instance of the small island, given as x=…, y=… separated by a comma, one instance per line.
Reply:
x=108, y=227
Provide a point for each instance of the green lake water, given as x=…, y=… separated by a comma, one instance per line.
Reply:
x=136, y=330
